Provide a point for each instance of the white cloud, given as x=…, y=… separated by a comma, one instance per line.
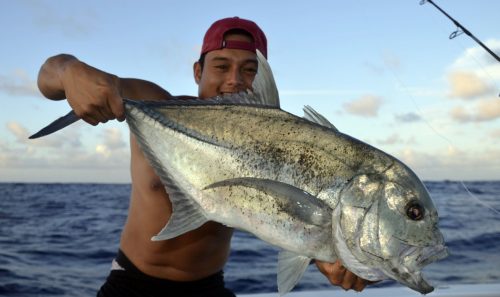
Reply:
x=18, y=83
x=394, y=139
x=474, y=55
x=391, y=61
x=495, y=134
x=113, y=138
x=47, y=16
x=467, y=85
x=113, y=144
x=367, y=105
x=63, y=138
x=475, y=75
x=488, y=109
x=484, y=110
x=103, y=150
x=477, y=69
x=314, y=92
x=459, y=114
x=452, y=163
x=63, y=152
x=391, y=139
x=18, y=131
x=408, y=117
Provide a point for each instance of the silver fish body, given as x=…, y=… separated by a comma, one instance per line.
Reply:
x=307, y=188
x=297, y=183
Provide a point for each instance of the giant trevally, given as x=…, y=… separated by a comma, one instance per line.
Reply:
x=297, y=183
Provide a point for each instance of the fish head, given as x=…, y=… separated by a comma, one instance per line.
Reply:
x=390, y=226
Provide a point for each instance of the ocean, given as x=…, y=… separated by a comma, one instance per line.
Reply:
x=59, y=240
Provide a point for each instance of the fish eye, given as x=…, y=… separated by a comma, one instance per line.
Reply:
x=415, y=211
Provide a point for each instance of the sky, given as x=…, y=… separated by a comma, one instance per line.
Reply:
x=383, y=71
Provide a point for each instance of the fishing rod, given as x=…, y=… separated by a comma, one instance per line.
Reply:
x=461, y=29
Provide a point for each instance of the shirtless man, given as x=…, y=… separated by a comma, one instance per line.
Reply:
x=191, y=264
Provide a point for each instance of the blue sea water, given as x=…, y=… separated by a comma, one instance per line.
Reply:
x=59, y=240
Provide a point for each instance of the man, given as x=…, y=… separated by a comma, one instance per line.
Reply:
x=191, y=264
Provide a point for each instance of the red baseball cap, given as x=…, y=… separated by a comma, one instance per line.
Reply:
x=214, y=38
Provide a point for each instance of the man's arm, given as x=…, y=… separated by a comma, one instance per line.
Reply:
x=94, y=95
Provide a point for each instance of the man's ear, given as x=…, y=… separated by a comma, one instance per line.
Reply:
x=197, y=72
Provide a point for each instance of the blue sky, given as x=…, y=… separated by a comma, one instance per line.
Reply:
x=382, y=71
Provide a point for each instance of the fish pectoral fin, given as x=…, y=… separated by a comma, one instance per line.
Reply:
x=312, y=115
x=291, y=267
x=289, y=199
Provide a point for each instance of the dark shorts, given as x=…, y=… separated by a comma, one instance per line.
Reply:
x=126, y=280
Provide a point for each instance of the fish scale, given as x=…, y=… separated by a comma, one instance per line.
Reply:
x=297, y=183
x=244, y=162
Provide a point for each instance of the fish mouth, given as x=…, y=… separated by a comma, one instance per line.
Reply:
x=411, y=260
x=422, y=256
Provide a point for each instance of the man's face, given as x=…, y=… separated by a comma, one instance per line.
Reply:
x=226, y=70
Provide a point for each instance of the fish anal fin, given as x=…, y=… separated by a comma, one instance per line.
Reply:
x=291, y=267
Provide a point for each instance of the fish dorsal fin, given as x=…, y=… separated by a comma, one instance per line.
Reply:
x=314, y=116
x=264, y=85
x=291, y=267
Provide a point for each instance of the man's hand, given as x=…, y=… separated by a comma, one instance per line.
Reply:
x=94, y=95
x=338, y=275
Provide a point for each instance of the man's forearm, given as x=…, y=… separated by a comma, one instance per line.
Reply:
x=50, y=76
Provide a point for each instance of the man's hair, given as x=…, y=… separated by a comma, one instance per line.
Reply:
x=201, y=60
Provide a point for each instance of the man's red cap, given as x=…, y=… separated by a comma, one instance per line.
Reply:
x=214, y=38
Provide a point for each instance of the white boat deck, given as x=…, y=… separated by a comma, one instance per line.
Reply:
x=476, y=290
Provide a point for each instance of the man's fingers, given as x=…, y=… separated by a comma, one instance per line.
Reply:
x=338, y=275
x=90, y=119
x=93, y=117
x=116, y=107
x=360, y=284
x=349, y=280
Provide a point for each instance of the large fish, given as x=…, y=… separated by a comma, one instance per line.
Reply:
x=296, y=183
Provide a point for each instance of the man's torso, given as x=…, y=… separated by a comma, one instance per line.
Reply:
x=191, y=256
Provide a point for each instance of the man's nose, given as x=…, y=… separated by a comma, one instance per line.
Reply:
x=234, y=78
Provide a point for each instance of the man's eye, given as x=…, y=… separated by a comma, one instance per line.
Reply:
x=251, y=70
x=221, y=67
